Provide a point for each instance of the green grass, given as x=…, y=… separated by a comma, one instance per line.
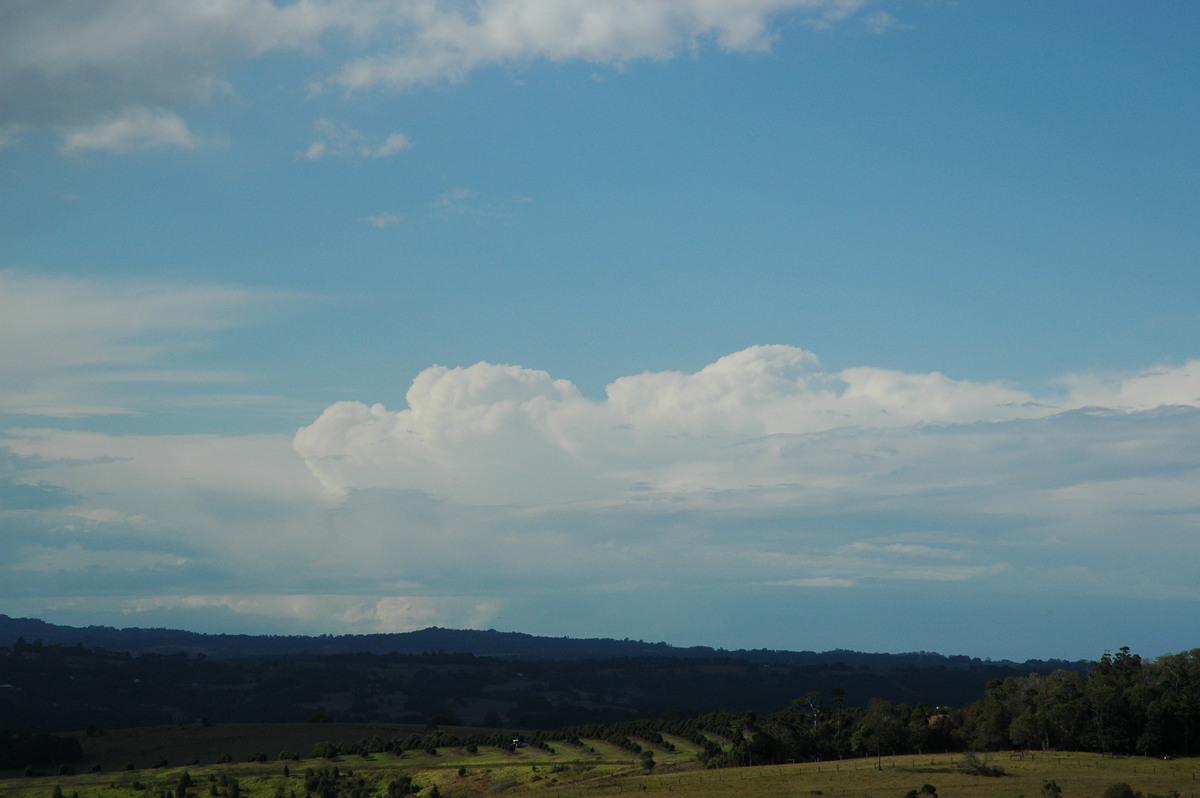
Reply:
x=579, y=773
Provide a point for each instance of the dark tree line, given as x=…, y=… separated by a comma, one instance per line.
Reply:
x=51, y=688
x=1123, y=705
x=24, y=750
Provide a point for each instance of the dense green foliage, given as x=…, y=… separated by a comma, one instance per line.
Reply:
x=1124, y=705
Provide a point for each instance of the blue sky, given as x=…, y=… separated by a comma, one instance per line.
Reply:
x=789, y=324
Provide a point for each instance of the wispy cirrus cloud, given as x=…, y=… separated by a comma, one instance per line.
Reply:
x=66, y=341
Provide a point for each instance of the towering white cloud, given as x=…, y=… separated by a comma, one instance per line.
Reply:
x=762, y=477
x=500, y=434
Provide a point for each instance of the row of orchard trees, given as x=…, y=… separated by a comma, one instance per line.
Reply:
x=1122, y=705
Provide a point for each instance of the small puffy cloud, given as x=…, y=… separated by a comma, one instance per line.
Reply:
x=342, y=141
x=316, y=151
x=383, y=220
x=464, y=202
x=137, y=129
x=882, y=22
x=452, y=200
x=396, y=142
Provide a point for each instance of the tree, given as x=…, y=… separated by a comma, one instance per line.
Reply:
x=1120, y=790
x=881, y=729
x=399, y=787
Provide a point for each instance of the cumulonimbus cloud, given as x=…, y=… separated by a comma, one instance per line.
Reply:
x=505, y=434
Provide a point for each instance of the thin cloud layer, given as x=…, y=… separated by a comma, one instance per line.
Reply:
x=116, y=75
x=64, y=340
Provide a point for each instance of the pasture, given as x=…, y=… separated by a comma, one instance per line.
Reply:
x=589, y=770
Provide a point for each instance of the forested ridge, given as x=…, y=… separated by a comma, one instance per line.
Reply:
x=1121, y=704
x=49, y=688
x=481, y=643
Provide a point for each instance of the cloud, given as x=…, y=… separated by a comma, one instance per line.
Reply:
x=764, y=468
x=396, y=142
x=117, y=76
x=119, y=64
x=501, y=496
x=453, y=200
x=492, y=433
x=342, y=141
x=383, y=219
x=65, y=340
x=441, y=40
x=464, y=202
x=136, y=129
x=882, y=22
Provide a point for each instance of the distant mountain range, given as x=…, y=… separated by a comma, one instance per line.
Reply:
x=489, y=643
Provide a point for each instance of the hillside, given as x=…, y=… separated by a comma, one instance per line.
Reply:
x=489, y=643
x=508, y=679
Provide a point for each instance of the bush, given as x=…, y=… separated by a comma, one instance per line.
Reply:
x=974, y=766
x=1120, y=790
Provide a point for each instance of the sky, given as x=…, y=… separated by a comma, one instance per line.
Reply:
x=792, y=324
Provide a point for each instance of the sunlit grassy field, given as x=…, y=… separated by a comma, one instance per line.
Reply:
x=596, y=768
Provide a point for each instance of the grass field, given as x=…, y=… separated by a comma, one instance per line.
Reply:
x=590, y=770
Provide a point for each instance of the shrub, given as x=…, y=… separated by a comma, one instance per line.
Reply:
x=973, y=765
x=1120, y=790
